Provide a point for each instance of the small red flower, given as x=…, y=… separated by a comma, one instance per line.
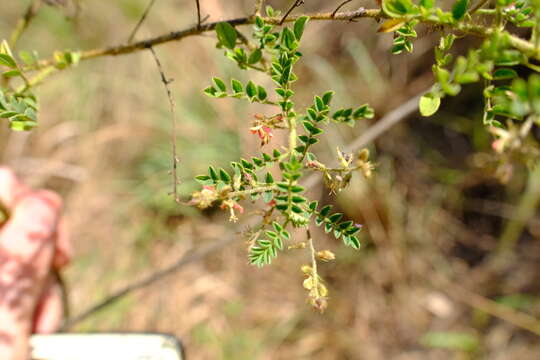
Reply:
x=263, y=132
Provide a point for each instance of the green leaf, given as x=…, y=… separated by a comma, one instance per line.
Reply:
x=8, y=61
x=12, y=73
x=325, y=210
x=429, y=104
x=22, y=125
x=220, y=84
x=259, y=21
x=397, y=8
x=277, y=227
x=255, y=57
x=236, y=86
x=202, y=178
x=459, y=9
x=226, y=34
x=299, y=26
x=266, y=157
x=288, y=39
x=427, y=4
x=213, y=173
x=365, y=111
x=224, y=176
x=251, y=89
x=210, y=91
x=504, y=73
x=334, y=218
x=261, y=93
x=352, y=241
x=327, y=97
x=319, y=103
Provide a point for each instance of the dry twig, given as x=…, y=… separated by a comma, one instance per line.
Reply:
x=340, y=6
x=141, y=20
x=296, y=4
x=172, y=106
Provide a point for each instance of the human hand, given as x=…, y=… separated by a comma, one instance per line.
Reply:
x=32, y=243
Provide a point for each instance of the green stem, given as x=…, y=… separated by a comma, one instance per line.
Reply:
x=24, y=21
x=252, y=191
x=37, y=79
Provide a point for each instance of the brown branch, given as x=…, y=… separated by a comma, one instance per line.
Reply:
x=199, y=22
x=523, y=45
x=141, y=20
x=296, y=4
x=147, y=281
x=340, y=6
x=516, y=318
x=385, y=123
x=194, y=30
x=172, y=106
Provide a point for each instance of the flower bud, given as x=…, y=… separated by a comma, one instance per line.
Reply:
x=326, y=255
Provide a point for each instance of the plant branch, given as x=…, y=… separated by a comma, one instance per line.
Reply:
x=172, y=106
x=296, y=4
x=392, y=118
x=478, y=6
x=252, y=191
x=314, y=272
x=516, y=318
x=199, y=22
x=141, y=20
x=340, y=6
x=520, y=44
x=24, y=21
x=147, y=281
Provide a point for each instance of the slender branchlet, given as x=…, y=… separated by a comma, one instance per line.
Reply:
x=340, y=6
x=24, y=21
x=297, y=3
x=141, y=21
x=172, y=105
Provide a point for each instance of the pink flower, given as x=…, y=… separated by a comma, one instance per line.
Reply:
x=232, y=206
x=263, y=132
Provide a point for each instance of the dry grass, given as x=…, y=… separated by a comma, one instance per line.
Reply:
x=103, y=144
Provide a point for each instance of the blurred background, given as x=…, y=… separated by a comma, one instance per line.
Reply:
x=431, y=281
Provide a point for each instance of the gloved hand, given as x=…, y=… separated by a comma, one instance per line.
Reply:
x=32, y=243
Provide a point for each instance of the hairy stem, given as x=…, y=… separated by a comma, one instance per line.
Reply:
x=314, y=273
x=24, y=21
x=520, y=44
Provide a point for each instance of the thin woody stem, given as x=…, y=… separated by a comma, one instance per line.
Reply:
x=520, y=44
x=166, y=83
x=340, y=6
x=296, y=4
x=141, y=20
